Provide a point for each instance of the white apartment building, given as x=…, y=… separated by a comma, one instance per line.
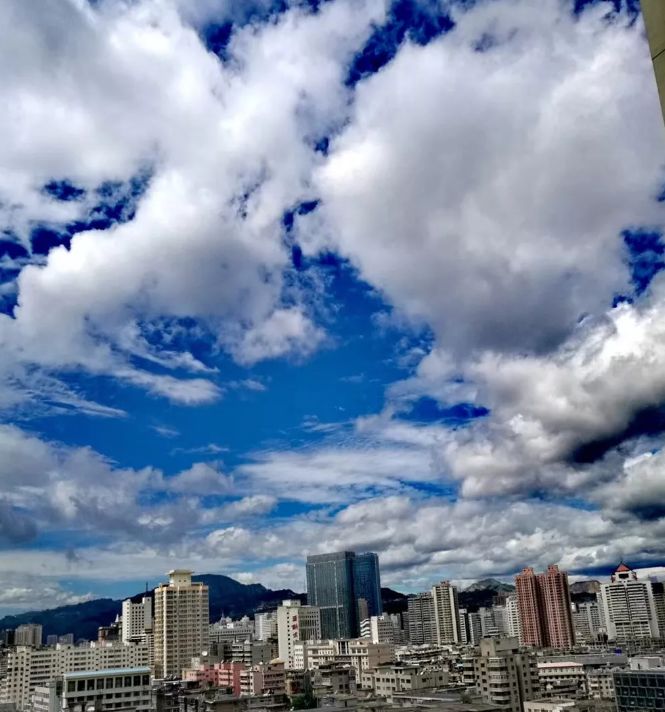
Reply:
x=359, y=653
x=136, y=619
x=587, y=622
x=181, y=623
x=28, y=668
x=265, y=625
x=566, y=677
x=387, y=680
x=29, y=634
x=629, y=609
x=296, y=623
x=512, y=621
x=379, y=629
x=446, y=613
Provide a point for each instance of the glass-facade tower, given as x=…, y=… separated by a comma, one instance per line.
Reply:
x=367, y=582
x=335, y=583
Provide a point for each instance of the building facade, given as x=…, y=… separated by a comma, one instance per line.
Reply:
x=27, y=668
x=136, y=619
x=503, y=675
x=181, y=623
x=446, y=613
x=422, y=623
x=629, y=608
x=296, y=623
x=367, y=583
x=29, y=634
x=330, y=587
x=544, y=606
x=126, y=689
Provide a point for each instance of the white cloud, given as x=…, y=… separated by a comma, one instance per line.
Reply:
x=100, y=93
x=484, y=192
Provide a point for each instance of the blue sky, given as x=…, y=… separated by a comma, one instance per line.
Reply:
x=280, y=278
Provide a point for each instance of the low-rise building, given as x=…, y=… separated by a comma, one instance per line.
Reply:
x=224, y=675
x=642, y=690
x=549, y=705
x=562, y=679
x=387, y=680
x=126, y=689
x=600, y=684
x=264, y=679
x=503, y=675
x=27, y=668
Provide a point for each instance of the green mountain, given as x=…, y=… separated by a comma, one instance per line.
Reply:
x=490, y=584
x=227, y=598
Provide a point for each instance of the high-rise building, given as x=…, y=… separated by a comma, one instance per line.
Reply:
x=181, y=623
x=422, y=624
x=502, y=675
x=296, y=623
x=512, y=618
x=658, y=591
x=29, y=634
x=544, y=607
x=136, y=619
x=331, y=587
x=629, y=607
x=446, y=613
x=464, y=631
x=475, y=628
x=367, y=582
x=586, y=621
x=556, y=607
x=526, y=587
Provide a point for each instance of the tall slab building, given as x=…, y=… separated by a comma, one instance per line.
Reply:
x=543, y=602
x=181, y=623
x=367, y=582
x=336, y=583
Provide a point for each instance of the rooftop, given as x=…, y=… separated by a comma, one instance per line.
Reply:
x=110, y=671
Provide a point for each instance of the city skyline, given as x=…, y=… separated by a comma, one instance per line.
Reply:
x=287, y=278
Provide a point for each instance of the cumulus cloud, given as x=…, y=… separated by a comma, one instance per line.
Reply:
x=484, y=192
x=97, y=93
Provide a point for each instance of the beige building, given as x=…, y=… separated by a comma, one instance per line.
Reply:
x=264, y=679
x=181, y=624
x=387, y=680
x=296, y=623
x=654, y=19
x=562, y=678
x=629, y=609
x=136, y=619
x=600, y=684
x=502, y=675
x=29, y=634
x=27, y=668
x=549, y=706
x=359, y=653
x=446, y=613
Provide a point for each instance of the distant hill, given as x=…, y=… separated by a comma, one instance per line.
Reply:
x=490, y=584
x=228, y=597
x=394, y=601
x=585, y=587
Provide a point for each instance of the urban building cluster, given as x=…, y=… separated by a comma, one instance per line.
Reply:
x=531, y=649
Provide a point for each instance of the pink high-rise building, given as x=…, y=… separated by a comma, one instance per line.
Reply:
x=543, y=601
x=528, y=606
